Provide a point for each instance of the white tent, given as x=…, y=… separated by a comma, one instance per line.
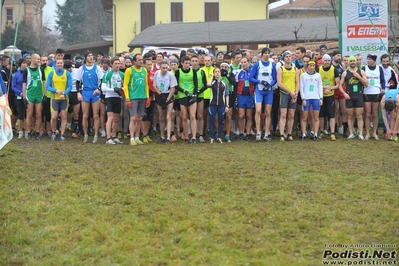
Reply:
x=10, y=50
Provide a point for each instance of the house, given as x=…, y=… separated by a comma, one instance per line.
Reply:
x=31, y=11
x=133, y=16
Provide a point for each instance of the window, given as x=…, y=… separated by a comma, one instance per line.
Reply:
x=211, y=12
x=9, y=14
x=147, y=15
x=176, y=12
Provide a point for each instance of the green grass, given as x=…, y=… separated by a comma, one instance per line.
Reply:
x=222, y=204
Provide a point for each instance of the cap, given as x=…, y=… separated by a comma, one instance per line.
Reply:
x=201, y=52
x=86, y=54
x=311, y=62
x=25, y=56
x=100, y=53
x=351, y=58
x=285, y=53
x=67, y=64
x=326, y=57
x=323, y=46
x=220, y=53
x=372, y=56
x=335, y=52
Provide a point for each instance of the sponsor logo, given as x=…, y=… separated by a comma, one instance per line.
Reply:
x=372, y=10
x=367, y=31
x=364, y=48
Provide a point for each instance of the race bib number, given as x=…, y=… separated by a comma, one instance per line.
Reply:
x=372, y=82
x=34, y=83
x=355, y=88
x=246, y=83
x=311, y=88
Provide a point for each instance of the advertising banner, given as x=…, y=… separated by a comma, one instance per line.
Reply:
x=363, y=27
x=5, y=122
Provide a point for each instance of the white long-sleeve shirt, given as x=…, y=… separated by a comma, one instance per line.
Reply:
x=311, y=86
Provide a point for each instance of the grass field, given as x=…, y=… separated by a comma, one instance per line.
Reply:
x=223, y=204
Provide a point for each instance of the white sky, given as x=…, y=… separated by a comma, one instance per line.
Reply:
x=279, y=3
x=49, y=15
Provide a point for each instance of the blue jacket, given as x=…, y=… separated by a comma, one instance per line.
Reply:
x=17, y=80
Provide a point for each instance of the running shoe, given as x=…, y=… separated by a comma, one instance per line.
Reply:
x=211, y=141
x=110, y=142
x=167, y=142
x=321, y=135
x=351, y=136
x=333, y=137
x=20, y=134
x=361, y=137
x=85, y=138
x=219, y=140
x=376, y=137
x=27, y=135
x=325, y=132
x=258, y=136
x=193, y=141
x=282, y=139
x=161, y=140
x=117, y=141
x=303, y=137
x=62, y=137
x=367, y=137
x=53, y=137
x=341, y=130
x=267, y=138
x=227, y=138
x=290, y=138
x=133, y=143
x=201, y=139
x=139, y=142
x=38, y=137
x=95, y=139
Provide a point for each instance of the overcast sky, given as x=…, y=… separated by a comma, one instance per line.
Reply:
x=49, y=15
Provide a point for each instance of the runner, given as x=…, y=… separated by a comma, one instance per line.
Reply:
x=218, y=104
x=264, y=76
x=137, y=96
x=330, y=78
x=373, y=94
x=164, y=86
x=33, y=87
x=286, y=81
x=245, y=99
x=202, y=87
x=187, y=86
x=112, y=88
x=311, y=90
x=59, y=83
x=354, y=81
x=89, y=77
x=17, y=81
x=390, y=108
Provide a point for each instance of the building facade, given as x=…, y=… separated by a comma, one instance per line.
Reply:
x=31, y=11
x=133, y=16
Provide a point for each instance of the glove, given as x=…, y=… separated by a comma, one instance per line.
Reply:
x=118, y=91
x=128, y=103
x=266, y=85
x=223, y=72
x=44, y=99
x=147, y=103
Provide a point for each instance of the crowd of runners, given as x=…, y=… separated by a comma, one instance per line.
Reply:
x=195, y=97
